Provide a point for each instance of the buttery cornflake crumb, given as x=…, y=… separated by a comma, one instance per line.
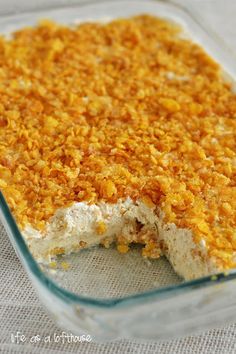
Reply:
x=101, y=228
x=122, y=248
x=57, y=251
x=106, y=242
x=110, y=111
x=65, y=265
x=148, y=202
x=82, y=244
x=53, y=264
x=151, y=250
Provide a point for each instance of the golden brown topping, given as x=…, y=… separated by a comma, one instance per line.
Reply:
x=106, y=111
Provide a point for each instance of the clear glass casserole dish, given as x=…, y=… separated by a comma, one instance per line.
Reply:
x=97, y=295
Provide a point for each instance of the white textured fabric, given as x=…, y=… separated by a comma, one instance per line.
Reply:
x=20, y=309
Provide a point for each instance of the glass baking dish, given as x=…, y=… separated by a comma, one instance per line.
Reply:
x=105, y=294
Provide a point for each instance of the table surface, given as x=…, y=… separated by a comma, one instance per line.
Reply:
x=20, y=309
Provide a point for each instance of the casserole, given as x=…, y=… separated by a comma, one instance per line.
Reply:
x=159, y=312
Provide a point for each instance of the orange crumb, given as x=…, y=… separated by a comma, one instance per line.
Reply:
x=53, y=265
x=101, y=228
x=123, y=248
x=82, y=244
x=65, y=265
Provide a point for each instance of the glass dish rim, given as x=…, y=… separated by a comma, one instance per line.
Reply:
x=68, y=296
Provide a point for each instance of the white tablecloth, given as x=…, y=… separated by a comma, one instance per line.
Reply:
x=20, y=310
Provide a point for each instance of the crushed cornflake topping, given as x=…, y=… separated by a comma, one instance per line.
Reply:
x=101, y=112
